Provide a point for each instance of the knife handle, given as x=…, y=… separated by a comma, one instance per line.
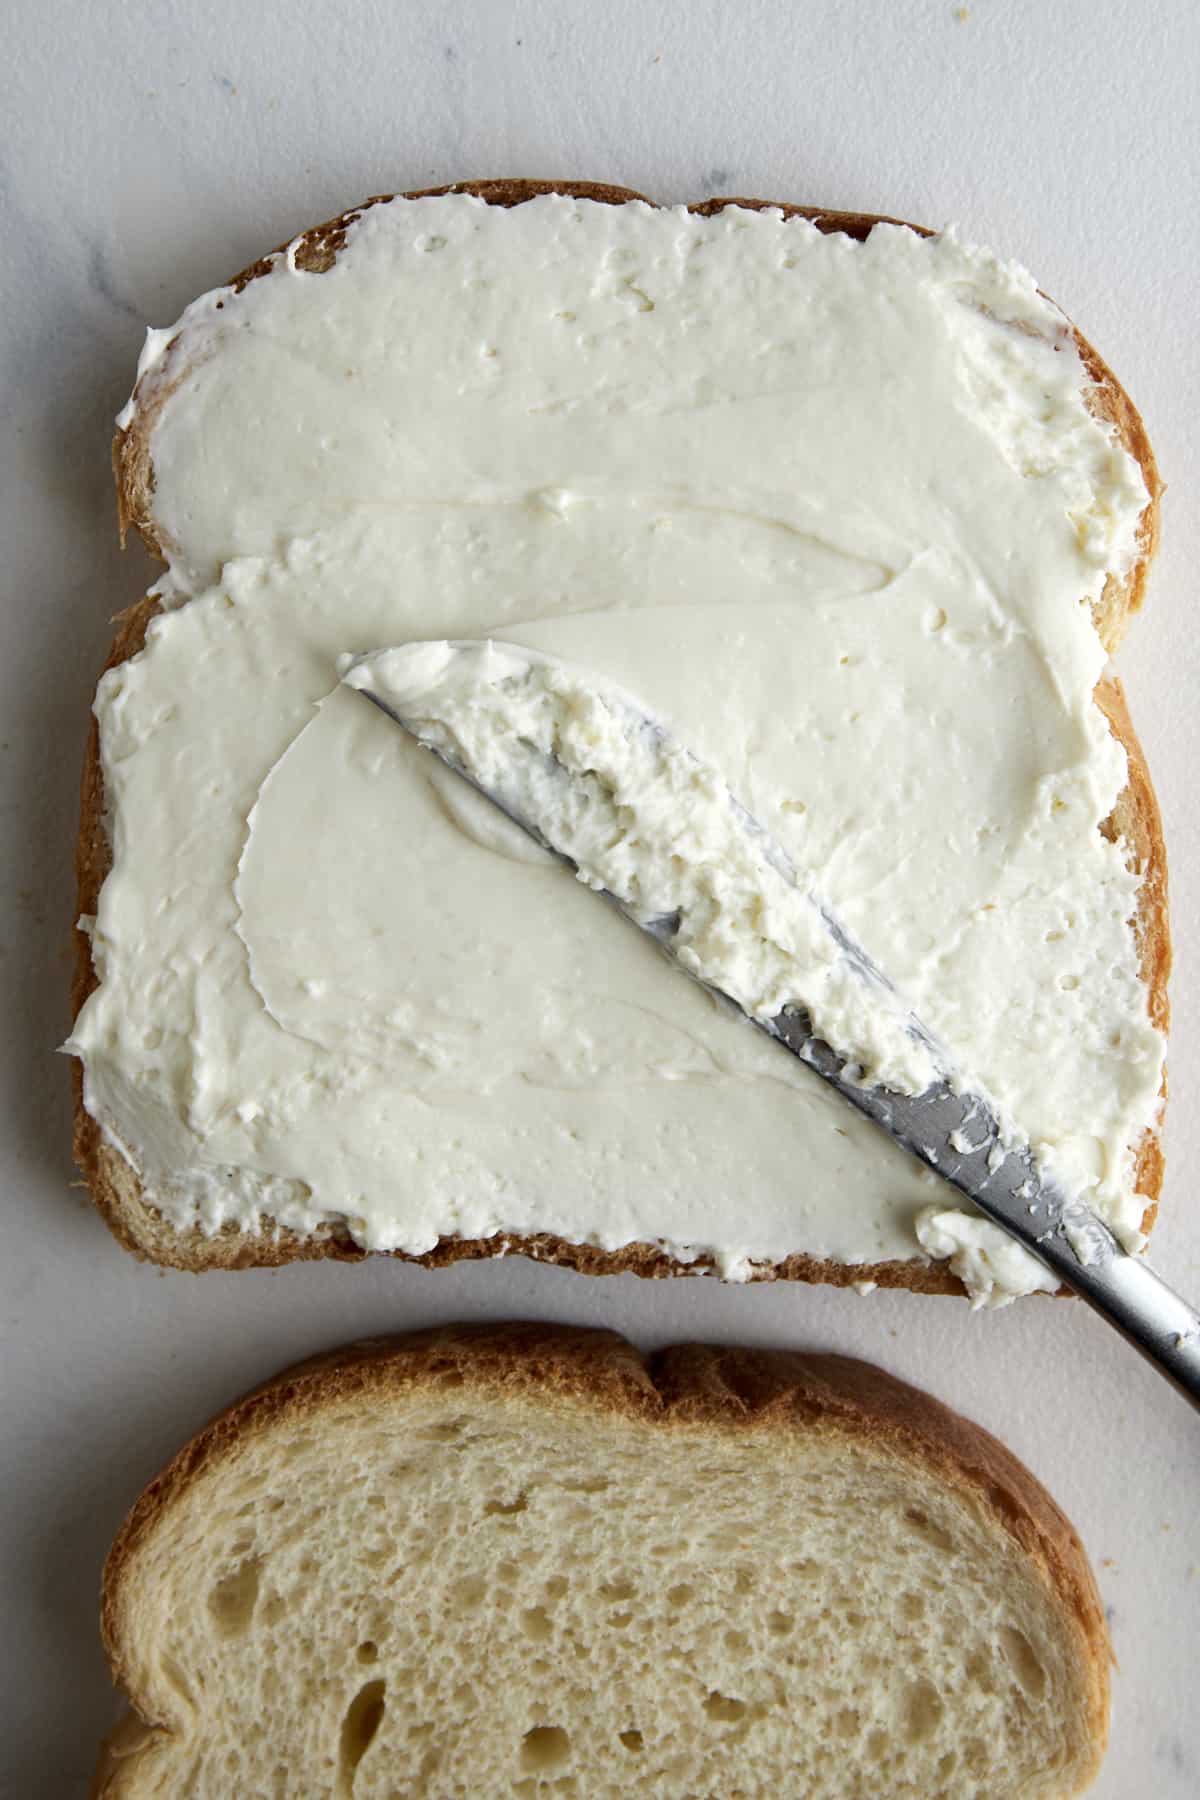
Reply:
x=1129, y=1295
x=1004, y=1181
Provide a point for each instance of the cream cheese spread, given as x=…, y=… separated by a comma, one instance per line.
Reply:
x=992, y=1267
x=837, y=510
x=606, y=785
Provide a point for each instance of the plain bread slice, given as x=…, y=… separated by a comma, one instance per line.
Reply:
x=524, y=1560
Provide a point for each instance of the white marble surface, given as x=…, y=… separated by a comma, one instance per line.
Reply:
x=148, y=150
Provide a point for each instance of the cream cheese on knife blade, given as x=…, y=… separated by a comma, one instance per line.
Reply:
x=837, y=510
x=642, y=819
x=599, y=782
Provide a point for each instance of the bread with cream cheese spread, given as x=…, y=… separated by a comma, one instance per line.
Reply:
x=524, y=1559
x=113, y=1180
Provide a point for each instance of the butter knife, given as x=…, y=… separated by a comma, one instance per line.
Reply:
x=953, y=1130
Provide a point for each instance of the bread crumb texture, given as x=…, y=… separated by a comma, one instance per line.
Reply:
x=466, y=1566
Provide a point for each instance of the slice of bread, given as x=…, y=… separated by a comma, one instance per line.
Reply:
x=112, y=1180
x=524, y=1560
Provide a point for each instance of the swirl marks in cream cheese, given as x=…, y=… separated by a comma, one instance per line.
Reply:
x=836, y=509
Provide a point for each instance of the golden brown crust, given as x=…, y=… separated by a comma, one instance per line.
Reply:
x=124, y=1757
x=1123, y=597
x=141, y=1229
x=1136, y=822
x=716, y=1388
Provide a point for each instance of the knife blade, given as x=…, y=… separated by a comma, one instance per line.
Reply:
x=951, y=1125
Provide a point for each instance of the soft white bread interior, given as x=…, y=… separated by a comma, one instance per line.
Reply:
x=522, y=1560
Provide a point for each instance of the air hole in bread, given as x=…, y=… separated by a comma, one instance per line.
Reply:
x=175, y=1679
x=632, y=1740
x=506, y=1509
x=923, y=1709
x=779, y=1623
x=979, y=1672
x=1025, y=1665
x=362, y=1720
x=976, y=1756
x=536, y=1623
x=470, y=1592
x=232, y=1601
x=928, y=1528
x=723, y=1710
x=442, y=1431
x=678, y=1596
x=368, y=1651
x=545, y=1747
x=1005, y=1503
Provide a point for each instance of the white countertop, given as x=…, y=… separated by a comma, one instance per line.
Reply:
x=148, y=151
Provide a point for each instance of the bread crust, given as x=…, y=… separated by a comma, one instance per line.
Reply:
x=113, y=1183
x=717, y=1389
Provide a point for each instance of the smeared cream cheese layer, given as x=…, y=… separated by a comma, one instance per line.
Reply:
x=836, y=510
x=992, y=1267
x=642, y=819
